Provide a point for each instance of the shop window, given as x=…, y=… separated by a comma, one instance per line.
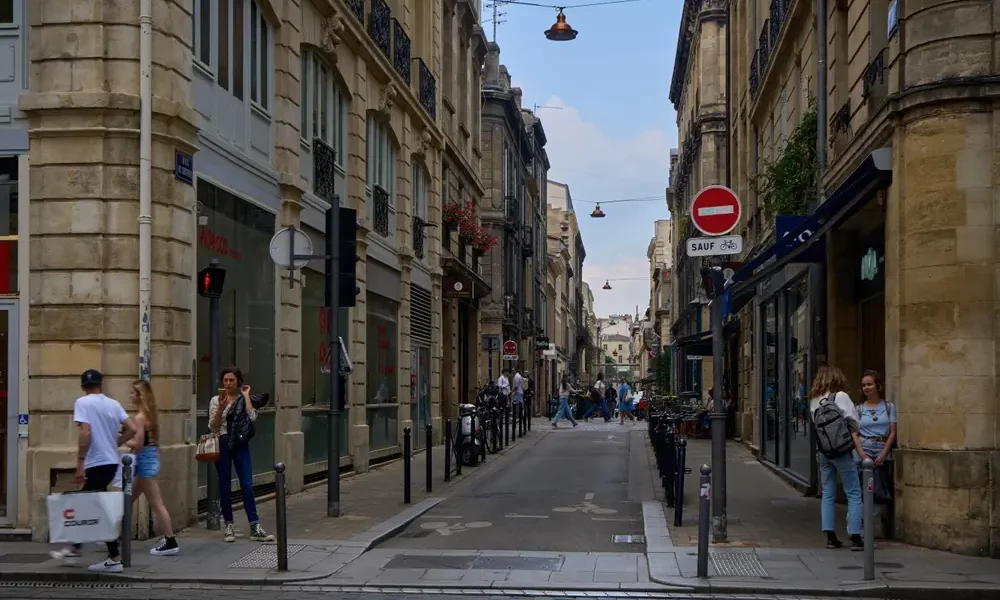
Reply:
x=800, y=447
x=382, y=346
x=8, y=224
x=324, y=106
x=237, y=234
x=381, y=172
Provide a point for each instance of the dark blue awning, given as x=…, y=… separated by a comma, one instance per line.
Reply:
x=874, y=173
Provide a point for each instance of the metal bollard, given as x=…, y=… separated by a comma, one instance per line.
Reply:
x=126, y=533
x=456, y=446
x=281, y=519
x=527, y=417
x=447, y=450
x=868, y=470
x=668, y=455
x=406, y=465
x=704, y=518
x=679, y=493
x=513, y=422
x=506, y=423
x=482, y=434
x=429, y=444
x=522, y=411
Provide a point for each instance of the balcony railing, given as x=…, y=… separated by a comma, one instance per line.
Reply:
x=874, y=78
x=419, y=236
x=527, y=242
x=427, y=89
x=765, y=45
x=401, y=51
x=380, y=27
x=357, y=8
x=753, y=76
x=380, y=202
x=777, y=17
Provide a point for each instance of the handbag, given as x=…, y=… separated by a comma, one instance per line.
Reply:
x=208, y=448
x=882, y=487
x=242, y=428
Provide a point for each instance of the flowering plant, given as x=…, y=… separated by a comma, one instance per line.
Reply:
x=453, y=213
x=469, y=231
x=485, y=241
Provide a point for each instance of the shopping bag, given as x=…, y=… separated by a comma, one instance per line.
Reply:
x=79, y=518
x=117, y=483
x=208, y=448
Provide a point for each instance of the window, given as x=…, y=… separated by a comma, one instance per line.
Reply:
x=419, y=191
x=7, y=12
x=323, y=107
x=381, y=168
x=260, y=43
x=202, y=23
x=223, y=21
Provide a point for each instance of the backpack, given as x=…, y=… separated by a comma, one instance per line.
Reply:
x=833, y=434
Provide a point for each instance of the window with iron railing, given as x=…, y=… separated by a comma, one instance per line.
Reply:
x=380, y=178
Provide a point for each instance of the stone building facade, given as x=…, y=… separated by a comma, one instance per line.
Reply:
x=565, y=245
x=902, y=237
x=242, y=94
x=697, y=91
x=660, y=253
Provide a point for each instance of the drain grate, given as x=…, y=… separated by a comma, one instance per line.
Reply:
x=265, y=557
x=628, y=539
x=738, y=564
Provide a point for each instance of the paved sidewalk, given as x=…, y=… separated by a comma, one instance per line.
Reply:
x=318, y=546
x=775, y=546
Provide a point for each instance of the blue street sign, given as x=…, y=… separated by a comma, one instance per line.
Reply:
x=184, y=167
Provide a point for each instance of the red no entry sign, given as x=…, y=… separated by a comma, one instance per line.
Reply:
x=715, y=210
x=510, y=347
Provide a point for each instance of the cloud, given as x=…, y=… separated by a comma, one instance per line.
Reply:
x=599, y=164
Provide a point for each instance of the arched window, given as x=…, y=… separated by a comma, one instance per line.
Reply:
x=380, y=179
x=323, y=108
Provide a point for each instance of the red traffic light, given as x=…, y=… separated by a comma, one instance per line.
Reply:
x=211, y=280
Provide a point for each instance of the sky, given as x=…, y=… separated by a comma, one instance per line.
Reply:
x=603, y=100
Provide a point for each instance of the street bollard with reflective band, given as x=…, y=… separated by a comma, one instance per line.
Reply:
x=406, y=465
x=447, y=450
x=679, y=492
x=704, y=518
x=126, y=533
x=868, y=492
x=281, y=518
x=513, y=421
x=506, y=423
x=429, y=445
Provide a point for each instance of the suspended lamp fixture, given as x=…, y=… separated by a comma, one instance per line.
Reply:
x=560, y=30
x=607, y=286
x=597, y=213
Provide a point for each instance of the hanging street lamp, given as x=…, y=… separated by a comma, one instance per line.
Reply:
x=560, y=30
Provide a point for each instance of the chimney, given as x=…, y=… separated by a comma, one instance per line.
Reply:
x=517, y=96
x=492, y=69
x=504, y=82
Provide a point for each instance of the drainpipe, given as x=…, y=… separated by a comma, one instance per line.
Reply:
x=729, y=75
x=145, y=181
x=821, y=99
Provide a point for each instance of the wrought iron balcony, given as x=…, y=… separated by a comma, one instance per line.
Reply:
x=357, y=8
x=765, y=47
x=753, y=76
x=874, y=76
x=380, y=27
x=419, y=236
x=380, y=202
x=400, y=51
x=527, y=242
x=777, y=20
x=428, y=89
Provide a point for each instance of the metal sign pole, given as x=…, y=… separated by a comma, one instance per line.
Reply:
x=718, y=420
x=214, y=346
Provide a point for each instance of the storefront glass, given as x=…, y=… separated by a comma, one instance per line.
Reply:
x=799, y=445
x=769, y=445
x=315, y=377
x=420, y=391
x=382, y=345
x=237, y=234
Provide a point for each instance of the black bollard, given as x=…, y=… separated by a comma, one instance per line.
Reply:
x=281, y=518
x=481, y=433
x=429, y=442
x=531, y=411
x=679, y=494
x=406, y=465
x=498, y=419
x=523, y=412
x=513, y=422
x=669, y=454
x=456, y=446
x=447, y=450
x=126, y=532
x=506, y=423
x=704, y=516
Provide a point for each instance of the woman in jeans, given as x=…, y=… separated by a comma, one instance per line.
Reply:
x=829, y=385
x=877, y=420
x=564, y=391
x=233, y=403
x=147, y=467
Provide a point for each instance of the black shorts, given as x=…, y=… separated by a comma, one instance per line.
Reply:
x=97, y=479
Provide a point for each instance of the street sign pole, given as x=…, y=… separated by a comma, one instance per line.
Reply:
x=718, y=420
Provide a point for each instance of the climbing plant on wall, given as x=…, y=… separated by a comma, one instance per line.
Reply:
x=786, y=185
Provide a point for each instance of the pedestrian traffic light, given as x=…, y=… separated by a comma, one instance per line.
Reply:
x=347, y=277
x=713, y=281
x=211, y=280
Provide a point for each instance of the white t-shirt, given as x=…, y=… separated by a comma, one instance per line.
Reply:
x=504, y=385
x=843, y=402
x=599, y=386
x=105, y=417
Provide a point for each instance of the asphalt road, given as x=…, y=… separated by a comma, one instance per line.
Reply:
x=568, y=494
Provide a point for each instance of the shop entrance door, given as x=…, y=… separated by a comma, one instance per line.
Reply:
x=9, y=410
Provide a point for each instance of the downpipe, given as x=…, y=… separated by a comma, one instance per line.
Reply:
x=145, y=181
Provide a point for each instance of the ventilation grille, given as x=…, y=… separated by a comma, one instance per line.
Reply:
x=420, y=315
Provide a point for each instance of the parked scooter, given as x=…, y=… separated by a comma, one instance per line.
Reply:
x=468, y=446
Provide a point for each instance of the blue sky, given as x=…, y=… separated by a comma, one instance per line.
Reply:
x=612, y=137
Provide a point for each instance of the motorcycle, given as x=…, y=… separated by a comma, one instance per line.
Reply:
x=468, y=446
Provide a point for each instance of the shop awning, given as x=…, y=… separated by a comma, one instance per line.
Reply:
x=462, y=282
x=696, y=344
x=874, y=173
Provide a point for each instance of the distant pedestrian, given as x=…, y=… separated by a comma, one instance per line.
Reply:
x=836, y=422
x=625, y=405
x=148, y=465
x=503, y=384
x=517, y=385
x=565, y=389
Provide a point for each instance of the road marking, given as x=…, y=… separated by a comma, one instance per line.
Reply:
x=614, y=519
x=445, y=529
x=516, y=516
x=425, y=517
x=589, y=496
x=585, y=507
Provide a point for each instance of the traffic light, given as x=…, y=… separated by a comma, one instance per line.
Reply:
x=713, y=281
x=211, y=280
x=347, y=277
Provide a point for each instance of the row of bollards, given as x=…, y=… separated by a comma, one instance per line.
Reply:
x=671, y=458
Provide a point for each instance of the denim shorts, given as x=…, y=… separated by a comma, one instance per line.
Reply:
x=147, y=462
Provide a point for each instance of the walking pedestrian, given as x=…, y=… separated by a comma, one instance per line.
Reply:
x=597, y=399
x=232, y=415
x=625, y=401
x=518, y=386
x=565, y=389
x=837, y=434
x=99, y=419
x=147, y=457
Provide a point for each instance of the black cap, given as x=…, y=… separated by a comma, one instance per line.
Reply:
x=91, y=377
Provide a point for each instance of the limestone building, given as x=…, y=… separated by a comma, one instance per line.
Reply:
x=127, y=204
x=660, y=253
x=566, y=247
x=697, y=92
x=892, y=266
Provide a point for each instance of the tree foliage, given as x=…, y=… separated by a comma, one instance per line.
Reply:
x=786, y=185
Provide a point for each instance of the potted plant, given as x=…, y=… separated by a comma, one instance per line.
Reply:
x=485, y=241
x=453, y=214
x=468, y=232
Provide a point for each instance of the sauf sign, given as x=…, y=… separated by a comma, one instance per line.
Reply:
x=715, y=212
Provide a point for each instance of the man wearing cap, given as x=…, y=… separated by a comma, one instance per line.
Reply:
x=99, y=420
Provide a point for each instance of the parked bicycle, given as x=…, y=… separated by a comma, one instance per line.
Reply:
x=490, y=405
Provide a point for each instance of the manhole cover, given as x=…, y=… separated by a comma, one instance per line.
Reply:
x=738, y=564
x=24, y=559
x=265, y=557
x=628, y=539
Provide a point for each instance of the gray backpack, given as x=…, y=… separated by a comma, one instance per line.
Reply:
x=833, y=434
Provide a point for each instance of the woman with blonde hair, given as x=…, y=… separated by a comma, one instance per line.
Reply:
x=147, y=465
x=837, y=436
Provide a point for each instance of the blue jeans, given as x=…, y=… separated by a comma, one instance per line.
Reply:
x=238, y=457
x=829, y=469
x=564, y=411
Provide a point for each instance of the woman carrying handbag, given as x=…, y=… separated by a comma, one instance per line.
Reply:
x=231, y=415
